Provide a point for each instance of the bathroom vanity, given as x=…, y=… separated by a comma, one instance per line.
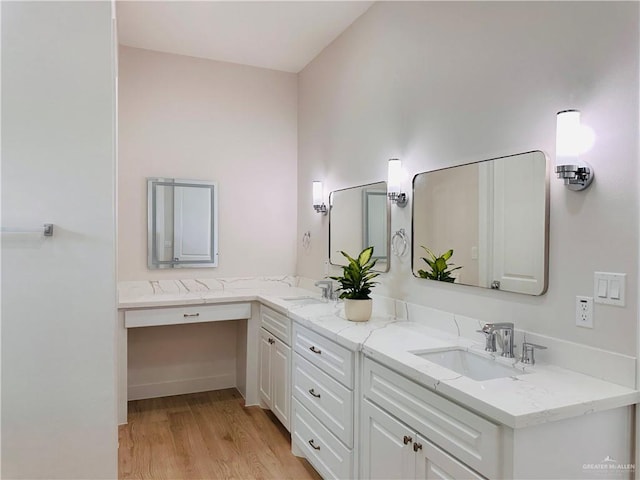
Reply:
x=370, y=401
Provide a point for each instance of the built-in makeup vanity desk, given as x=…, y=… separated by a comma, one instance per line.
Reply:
x=145, y=307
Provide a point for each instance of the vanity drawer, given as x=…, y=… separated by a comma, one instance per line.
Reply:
x=150, y=317
x=276, y=323
x=325, y=354
x=323, y=450
x=460, y=432
x=327, y=399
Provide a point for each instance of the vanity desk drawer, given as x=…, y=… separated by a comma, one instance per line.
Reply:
x=459, y=431
x=325, y=354
x=325, y=398
x=276, y=323
x=149, y=317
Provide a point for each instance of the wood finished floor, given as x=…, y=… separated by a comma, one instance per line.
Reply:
x=208, y=435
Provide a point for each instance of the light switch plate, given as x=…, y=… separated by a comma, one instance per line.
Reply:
x=615, y=287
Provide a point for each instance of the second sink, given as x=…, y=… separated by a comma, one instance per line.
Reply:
x=469, y=364
x=303, y=300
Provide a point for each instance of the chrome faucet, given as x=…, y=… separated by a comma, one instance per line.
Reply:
x=506, y=329
x=327, y=288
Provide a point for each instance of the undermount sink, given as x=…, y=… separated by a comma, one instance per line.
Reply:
x=303, y=300
x=469, y=364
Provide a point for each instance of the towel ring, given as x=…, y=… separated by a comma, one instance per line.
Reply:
x=306, y=240
x=399, y=243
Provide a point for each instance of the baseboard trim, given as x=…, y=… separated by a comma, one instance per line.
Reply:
x=180, y=387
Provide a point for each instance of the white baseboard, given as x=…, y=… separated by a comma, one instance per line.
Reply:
x=179, y=387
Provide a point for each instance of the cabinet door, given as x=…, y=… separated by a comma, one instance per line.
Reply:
x=281, y=381
x=387, y=451
x=434, y=463
x=266, y=390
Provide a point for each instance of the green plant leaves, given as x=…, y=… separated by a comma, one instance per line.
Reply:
x=356, y=280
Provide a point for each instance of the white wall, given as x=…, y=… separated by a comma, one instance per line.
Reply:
x=192, y=118
x=58, y=294
x=444, y=83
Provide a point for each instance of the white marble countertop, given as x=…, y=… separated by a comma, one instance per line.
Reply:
x=539, y=394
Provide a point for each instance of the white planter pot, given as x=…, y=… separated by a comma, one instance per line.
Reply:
x=358, y=310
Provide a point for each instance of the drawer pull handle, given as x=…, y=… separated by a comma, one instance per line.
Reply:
x=407, y=440
x=313, y=445
x=417, y=446
x=191, y=315
x=312, y=392
x=271, y=341
x=314, y=349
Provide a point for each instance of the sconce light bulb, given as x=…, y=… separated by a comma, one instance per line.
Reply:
x=568, y=136
x=394, y=177
x=317, y=193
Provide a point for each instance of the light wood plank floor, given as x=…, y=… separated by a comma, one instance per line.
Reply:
x=208, y=435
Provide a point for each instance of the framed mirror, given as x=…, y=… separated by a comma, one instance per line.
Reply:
x=182, y=223
x=359, y=218
x=493, y=215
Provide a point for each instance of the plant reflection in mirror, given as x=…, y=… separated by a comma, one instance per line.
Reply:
x=439, y=268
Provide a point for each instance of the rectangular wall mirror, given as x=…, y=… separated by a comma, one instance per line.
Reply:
x=182, y=223
x=359, y=218
x=493, y=214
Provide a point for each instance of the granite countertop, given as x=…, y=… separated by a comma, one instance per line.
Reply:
x=536, y=395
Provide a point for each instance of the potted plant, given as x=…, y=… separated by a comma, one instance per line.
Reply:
x=355, y=285
x=439, y=269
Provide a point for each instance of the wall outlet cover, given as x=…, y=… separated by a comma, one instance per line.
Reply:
x=584, y=312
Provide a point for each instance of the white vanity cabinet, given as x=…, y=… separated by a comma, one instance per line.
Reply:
x=410, y=431
x=323, y=403
x=443, y=436
x=392, y=450
x=275, y=364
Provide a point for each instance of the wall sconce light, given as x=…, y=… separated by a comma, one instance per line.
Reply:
x=394, y=180
x=318, y=204
x=577, y=175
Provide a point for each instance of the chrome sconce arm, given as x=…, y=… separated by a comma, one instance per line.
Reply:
x=575, y=177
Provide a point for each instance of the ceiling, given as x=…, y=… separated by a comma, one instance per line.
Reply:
x=277, y=35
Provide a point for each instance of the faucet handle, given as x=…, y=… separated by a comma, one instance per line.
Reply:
x=528, y=350
x=490, y=339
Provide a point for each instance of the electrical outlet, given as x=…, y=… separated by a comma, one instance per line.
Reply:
x=584, y=312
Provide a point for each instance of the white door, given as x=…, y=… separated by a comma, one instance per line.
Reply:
x=281, y=381
x=387, y=451
x=266, y=388
x=192, y=224
x=432, y=463
x=518, y=212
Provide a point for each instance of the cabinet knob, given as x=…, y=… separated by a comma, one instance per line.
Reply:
x=315, y=447
x=417, y=446
x=407, y=440
x=314, y=349
x=312, y=392
x=271, y=341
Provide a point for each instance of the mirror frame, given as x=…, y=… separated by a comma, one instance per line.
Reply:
x=363, y=233
x=152, y=258
x=545, y=275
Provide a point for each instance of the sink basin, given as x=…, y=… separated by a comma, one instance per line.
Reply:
x=469, y=364
x=303, y=300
